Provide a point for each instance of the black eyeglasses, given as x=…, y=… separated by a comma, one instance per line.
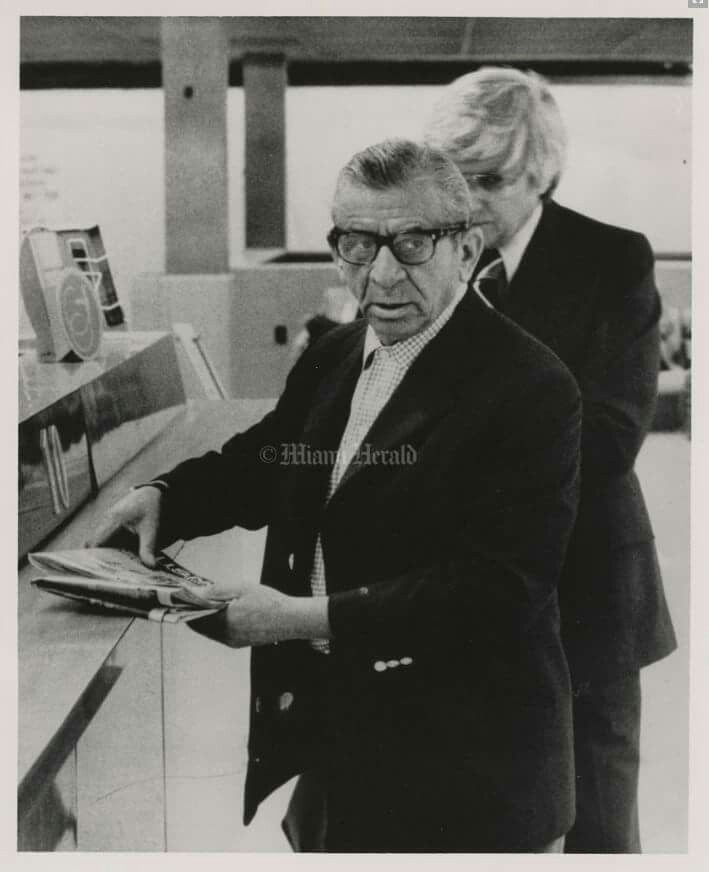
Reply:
x=411, y=247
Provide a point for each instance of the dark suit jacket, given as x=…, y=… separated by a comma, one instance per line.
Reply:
x=587, y=291
x=446, y=564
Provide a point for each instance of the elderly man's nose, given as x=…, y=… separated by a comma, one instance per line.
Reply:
x=386, y=269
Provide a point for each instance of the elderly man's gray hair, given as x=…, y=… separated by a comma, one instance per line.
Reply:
x=501, y=113
x=398, y=162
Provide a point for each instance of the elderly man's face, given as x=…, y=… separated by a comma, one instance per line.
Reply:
x=400, y=300
x=504, y=208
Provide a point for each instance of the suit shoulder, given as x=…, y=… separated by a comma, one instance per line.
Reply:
x=587, y=247
x=527, y=360
x=336, y=342
x=535, y=357
x=323, y=354
x=587, y=232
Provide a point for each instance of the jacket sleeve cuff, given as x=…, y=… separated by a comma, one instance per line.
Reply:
x=351, y=614
x=158, y=483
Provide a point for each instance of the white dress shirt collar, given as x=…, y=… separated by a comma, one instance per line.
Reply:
x=417, y=342
x=513, y=251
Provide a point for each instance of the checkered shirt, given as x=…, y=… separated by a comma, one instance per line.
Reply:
x=384, y=367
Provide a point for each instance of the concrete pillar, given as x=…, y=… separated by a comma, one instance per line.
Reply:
x=265, y=82
x=195, y=75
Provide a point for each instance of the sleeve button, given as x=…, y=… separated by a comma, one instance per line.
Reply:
x=285, y=701
x=380, y=666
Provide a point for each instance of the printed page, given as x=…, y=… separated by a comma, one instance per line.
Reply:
x=120, y=568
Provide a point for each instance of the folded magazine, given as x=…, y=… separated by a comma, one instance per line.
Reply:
x=116, y=579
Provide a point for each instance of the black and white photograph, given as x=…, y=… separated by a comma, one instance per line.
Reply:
x=354, y=359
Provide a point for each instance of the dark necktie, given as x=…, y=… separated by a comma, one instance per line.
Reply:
x=490, y=277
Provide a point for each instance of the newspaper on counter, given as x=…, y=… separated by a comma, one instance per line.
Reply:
x=116, y=579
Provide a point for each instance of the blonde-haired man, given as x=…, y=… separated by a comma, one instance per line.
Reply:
x=587, y=290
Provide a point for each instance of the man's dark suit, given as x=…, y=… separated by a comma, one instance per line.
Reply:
x=442, y=714
x=587, y=291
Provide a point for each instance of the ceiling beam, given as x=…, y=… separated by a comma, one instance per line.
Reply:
x=88, y=39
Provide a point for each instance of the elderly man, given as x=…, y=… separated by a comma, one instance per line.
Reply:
x=407, y=658
x=587, y=291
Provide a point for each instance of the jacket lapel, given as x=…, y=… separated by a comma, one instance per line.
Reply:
x=431, y=384
x=542, y=293
x=331, y=402
x=536, y=269
x=322, y=431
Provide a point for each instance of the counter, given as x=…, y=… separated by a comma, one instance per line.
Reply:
x=70, y=657
x=41, y=384
x=81, y=422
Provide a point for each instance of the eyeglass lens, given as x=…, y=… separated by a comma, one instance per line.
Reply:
x=409, y=248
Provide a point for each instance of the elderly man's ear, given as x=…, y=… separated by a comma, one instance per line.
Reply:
x=473, y=243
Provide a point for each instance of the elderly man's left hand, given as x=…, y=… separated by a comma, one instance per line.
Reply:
x=261, y=615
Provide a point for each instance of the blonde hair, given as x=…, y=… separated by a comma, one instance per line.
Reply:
x=503, y=113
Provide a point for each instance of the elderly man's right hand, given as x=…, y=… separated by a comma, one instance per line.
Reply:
x=137, y=512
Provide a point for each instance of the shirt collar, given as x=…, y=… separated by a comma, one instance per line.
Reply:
x=399, y=349
x=513, y=251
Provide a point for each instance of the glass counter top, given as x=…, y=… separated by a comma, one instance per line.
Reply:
x=41, y=384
